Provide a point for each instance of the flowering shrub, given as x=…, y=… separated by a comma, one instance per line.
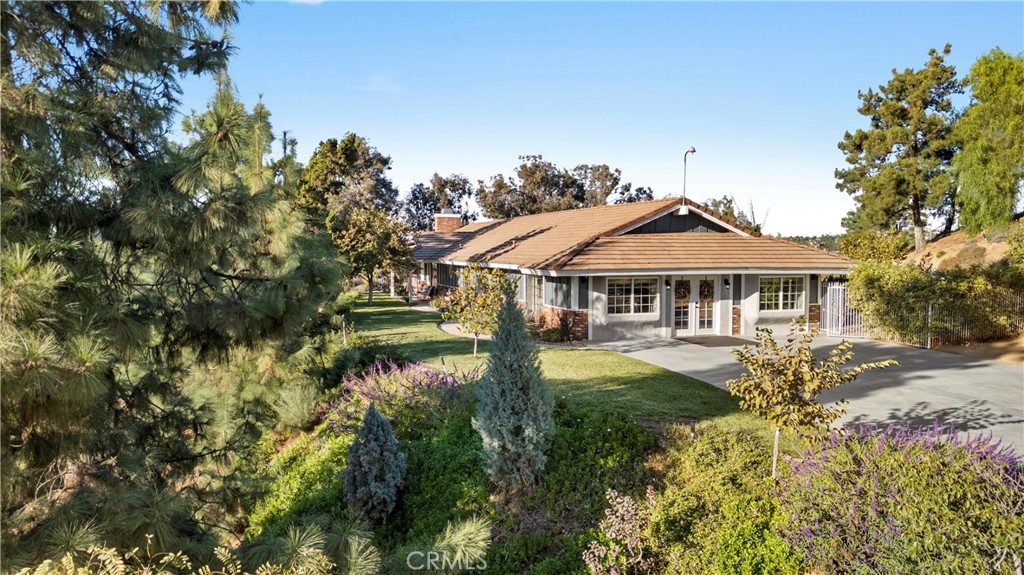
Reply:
x=412, y=396
x=906, y=501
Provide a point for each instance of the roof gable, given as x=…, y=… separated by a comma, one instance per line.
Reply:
x=689, y=217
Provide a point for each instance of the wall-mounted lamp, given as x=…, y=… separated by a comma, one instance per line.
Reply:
x=725, y=283
x=668, y=284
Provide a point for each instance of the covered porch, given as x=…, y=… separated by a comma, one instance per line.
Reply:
x=690, y=304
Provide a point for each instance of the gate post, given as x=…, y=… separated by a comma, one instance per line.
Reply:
x=928, y=327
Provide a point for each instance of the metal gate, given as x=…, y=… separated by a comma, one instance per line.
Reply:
x=838, y=317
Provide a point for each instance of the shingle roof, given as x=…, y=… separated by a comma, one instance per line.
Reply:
x=546, y=240
x=584, y=239
x=537, y=240
x=435, y=245
x=701, y=251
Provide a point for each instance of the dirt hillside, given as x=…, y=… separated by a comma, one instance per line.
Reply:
x=959, y=250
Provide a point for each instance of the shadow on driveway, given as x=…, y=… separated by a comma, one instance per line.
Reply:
x=968, y=393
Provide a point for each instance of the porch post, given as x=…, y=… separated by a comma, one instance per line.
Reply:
x=736, y=304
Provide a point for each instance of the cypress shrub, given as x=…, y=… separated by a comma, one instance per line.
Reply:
x=376, y=469
x=514, y=412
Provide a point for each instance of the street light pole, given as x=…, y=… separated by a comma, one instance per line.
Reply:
x=692, y=150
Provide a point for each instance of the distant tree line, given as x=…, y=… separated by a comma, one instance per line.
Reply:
x=350, y=173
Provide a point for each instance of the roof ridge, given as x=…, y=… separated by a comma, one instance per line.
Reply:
x=604, y=206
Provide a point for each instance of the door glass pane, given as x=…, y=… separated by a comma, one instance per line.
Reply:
x=706, y=305
x=682, y=305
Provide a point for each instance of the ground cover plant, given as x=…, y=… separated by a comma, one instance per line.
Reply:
x=896, y=500
x=715, y=511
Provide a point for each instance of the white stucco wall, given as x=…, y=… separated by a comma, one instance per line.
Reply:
x=634, y=326
x=777, y=321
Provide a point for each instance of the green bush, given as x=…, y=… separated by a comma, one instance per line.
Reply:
x=1015, y=240
x=305, y=481
x=893, y=298
x=445, y=483
x=974, y=304
x=749, y=540
x=906, y=501
x=717, y=513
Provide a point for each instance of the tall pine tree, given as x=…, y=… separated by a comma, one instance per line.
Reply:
x=514, y=411
x=898, y=170
x=132, y=266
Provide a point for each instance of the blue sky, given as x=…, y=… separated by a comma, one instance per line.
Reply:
x=763, y=91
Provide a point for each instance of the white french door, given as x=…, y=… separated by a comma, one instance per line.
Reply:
x=693, y=310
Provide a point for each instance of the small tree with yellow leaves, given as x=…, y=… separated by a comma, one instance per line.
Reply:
x=474, y=304
x=784, y=381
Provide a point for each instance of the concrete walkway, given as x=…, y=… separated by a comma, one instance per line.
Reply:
x=972, y=394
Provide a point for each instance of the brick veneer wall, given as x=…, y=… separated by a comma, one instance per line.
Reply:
x=737, y=317
x=549, y=317
x=814, y=316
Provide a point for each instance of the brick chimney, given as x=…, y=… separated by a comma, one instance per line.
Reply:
x=447, y=221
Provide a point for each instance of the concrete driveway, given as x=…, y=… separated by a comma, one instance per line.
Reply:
x=972, y=394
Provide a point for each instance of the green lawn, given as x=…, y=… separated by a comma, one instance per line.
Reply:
x=594, y=379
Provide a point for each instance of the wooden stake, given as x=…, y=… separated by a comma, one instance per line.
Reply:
x=775, y=453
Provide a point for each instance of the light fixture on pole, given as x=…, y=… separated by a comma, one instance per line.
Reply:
x=692, y=150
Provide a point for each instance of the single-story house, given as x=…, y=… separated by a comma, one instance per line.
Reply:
x=663, y=268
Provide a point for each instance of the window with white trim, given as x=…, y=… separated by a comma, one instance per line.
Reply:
x=632, y=295
x=557, y=292
x=534, y=293
x=782, y=293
